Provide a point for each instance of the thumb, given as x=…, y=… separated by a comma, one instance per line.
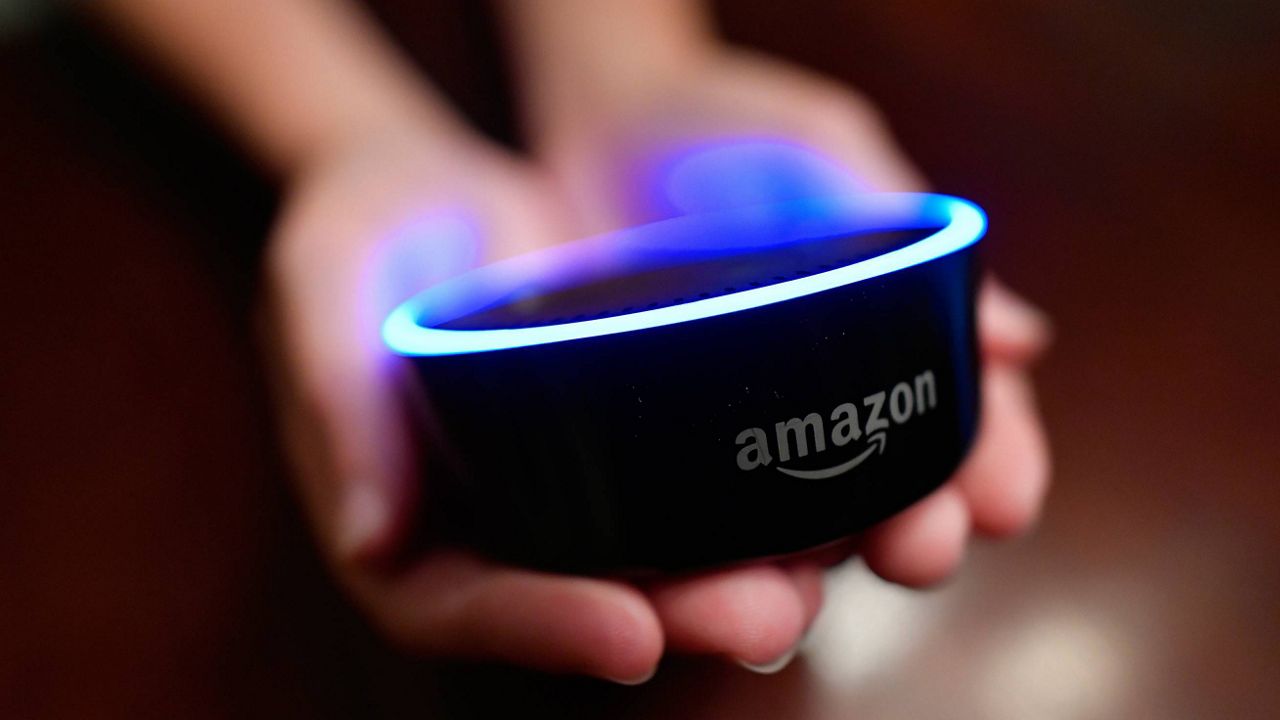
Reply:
x=340, y=392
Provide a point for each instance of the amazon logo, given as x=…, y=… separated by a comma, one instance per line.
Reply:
x=861, y=428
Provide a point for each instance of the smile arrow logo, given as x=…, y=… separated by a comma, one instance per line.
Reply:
x=875, y=444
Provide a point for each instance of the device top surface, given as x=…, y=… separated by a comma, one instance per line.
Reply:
x=683, y=269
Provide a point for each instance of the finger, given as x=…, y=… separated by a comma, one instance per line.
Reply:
x=342, y=259
x=923, y=544
x=1006, y=476
x=866, y=146
x=845, y=126
x=809, y=579
x=753, y=614
x=1010, y=329
x=457, y=605
x=338, y=392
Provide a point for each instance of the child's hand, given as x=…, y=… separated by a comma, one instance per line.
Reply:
x=630, y=153
x=612, y=148
x=360, y=232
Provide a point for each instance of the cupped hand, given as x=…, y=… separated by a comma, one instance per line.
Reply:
x=370, y=224
x=360, y=231
x=737, y=128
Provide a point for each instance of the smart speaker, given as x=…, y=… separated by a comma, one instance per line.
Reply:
x=701, y=390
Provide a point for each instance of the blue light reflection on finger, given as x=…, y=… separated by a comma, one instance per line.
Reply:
x=409, y=329
x=728, y=173
x=421, y=250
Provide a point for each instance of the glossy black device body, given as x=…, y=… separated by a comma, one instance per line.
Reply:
x=620, y=453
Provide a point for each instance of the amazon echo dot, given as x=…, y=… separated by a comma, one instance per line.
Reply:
x=701, y=390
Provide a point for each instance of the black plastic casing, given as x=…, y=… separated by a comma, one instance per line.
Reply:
x=620, y=453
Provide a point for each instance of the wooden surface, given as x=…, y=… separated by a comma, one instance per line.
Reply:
x=151, y=562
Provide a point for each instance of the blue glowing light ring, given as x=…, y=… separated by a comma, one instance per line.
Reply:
x=961, y=224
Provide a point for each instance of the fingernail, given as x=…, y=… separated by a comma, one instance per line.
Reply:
x=775, y=665
x=638, y=680
x=364, y=517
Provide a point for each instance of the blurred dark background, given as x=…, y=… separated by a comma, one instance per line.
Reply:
x=152, y=564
